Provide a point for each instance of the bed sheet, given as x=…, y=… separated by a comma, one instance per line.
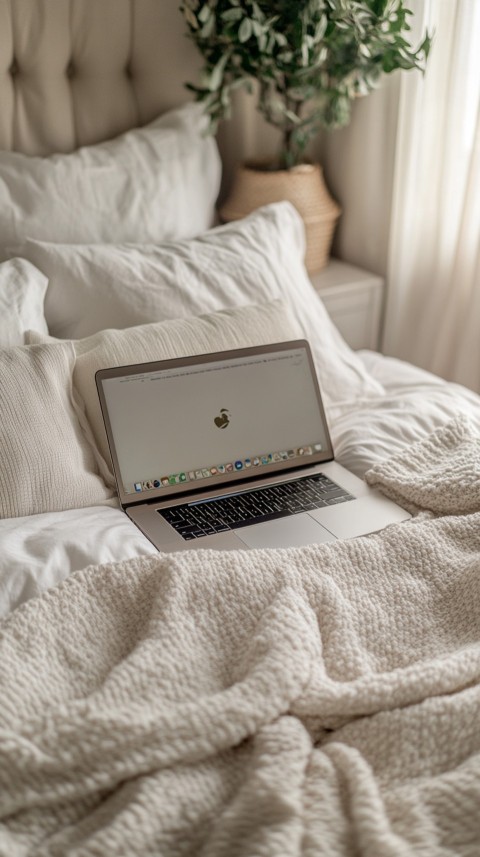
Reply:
x=39, y=551
x=415, y=403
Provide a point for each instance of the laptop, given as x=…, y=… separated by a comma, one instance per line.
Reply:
x=232, y=450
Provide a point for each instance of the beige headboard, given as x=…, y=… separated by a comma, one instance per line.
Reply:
x=75, y=72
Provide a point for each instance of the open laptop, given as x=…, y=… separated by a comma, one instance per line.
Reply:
x=232, y=450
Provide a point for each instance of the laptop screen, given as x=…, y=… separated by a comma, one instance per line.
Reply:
x=188, y=426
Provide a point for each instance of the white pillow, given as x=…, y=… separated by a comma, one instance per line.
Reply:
x=150, y=184
x=22, y=292
x=236, y=328
x=46, y=465
x=254, y=260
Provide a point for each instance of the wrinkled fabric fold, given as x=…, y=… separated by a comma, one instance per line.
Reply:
x=321, y=700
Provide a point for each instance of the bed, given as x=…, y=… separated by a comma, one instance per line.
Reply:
x=304, y=701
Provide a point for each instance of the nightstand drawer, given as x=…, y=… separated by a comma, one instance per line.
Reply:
x=353, y=298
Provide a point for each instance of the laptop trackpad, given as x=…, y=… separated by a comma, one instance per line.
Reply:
x=361, y=516
x=294, y=531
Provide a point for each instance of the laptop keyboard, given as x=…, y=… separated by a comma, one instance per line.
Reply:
x=207, y=517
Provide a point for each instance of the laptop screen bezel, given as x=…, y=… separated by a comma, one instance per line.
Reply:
x=161, y=494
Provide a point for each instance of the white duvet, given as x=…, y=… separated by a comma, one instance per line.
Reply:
x=40, y=551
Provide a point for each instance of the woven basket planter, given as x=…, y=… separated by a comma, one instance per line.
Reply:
x=305, y=188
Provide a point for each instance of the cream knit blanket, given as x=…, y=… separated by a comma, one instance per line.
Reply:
x=316, y=701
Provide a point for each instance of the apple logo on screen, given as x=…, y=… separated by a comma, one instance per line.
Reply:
x=223, y=418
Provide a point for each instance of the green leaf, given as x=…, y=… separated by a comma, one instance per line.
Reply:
x=216, y=76
x=232, y=14
x=245, y=30
x=426, y=45
x=321, y=28
x=257, y=12
x=263, y=43
x=270, y=43
x=190, y=18
x=204, y=13
x=208, y=28
x=292, y=117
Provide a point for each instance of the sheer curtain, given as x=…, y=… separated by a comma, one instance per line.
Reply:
x=433, y=300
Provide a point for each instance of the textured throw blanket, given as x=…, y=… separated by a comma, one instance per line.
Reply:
x=315, y=701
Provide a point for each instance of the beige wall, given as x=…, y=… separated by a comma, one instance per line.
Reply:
x=358, y=162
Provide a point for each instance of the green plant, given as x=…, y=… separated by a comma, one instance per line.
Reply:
x=310, y=58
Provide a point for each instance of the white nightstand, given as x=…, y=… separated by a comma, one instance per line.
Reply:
x=353, y=298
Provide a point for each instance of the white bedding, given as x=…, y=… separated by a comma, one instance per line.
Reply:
x=375, y=406
x=311, y=701
x=415, y=403
x=40, y=551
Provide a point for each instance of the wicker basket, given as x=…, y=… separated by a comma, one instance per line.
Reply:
x=303, y=186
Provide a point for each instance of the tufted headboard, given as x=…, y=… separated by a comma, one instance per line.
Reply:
x=75, y=72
